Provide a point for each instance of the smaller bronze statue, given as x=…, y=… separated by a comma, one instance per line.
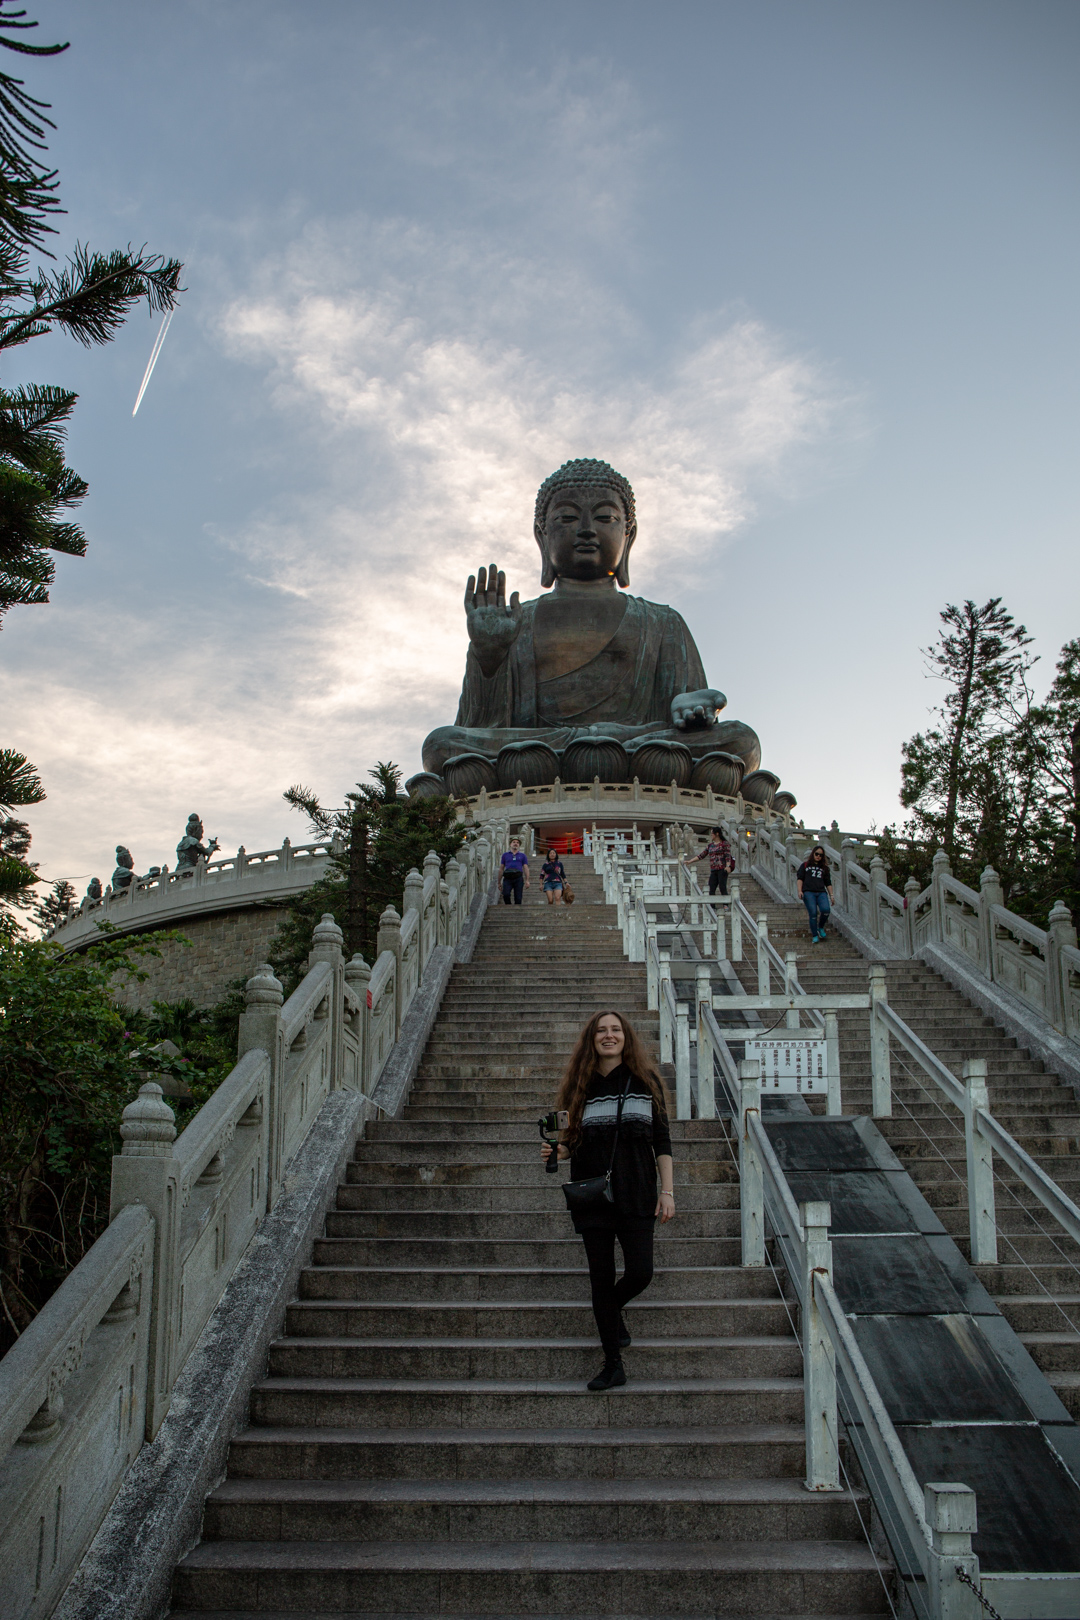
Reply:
x=124, y=876
x=190, y=850
x=93, y=889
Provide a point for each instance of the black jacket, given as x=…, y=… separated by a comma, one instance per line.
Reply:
x=643, y=1134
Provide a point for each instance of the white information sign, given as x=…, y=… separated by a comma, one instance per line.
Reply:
x=790, y=1065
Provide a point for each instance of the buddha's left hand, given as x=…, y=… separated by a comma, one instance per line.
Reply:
x=695, y=711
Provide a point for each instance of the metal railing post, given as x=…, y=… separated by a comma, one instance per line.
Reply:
x=819, y=1357
x=982, y=1218
x=651, y=973
x=762, y=954
x=880, y=1073
x=736, y=920
x=832, y=1063
x=667, y=1034
x=791, y=977
x=682, y=1060
x=951, y=1516
x=706, y=1096
x=751, y=1180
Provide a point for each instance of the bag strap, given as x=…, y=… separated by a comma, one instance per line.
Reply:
x=618, y=1125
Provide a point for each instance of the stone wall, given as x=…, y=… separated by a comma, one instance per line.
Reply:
x=224, y=946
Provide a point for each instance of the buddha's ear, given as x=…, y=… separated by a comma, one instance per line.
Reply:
x=622, y=573
x=548, y=575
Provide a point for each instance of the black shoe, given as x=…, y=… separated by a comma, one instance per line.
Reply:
x=624, y=1336
x=611, y=1376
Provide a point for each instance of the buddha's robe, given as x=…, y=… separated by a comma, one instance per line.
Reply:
x=624, y=691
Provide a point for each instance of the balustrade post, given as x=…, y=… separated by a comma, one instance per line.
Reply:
x=706, y=1095
x=286, y=854
x=878, y=881
x=260, y=1030
x=241, y=861
x=635, y=943
x=667, y=1034
x=762, y=954
x=736, y=919
x=990, y=894
x=145, y=1172
x=911, y=894
x=880, y=1070
x=819, y=1357
x=326, y=946
x=1060, y=934
x=358, y=978
x=651, y=974
x=751, y=1179
x=455, y=908
x=792, y=863
x=952, y=1519
x=683, y=1109
x=791, y=975
x=389, y=939
x=982, y=1217
x=832, y=1064
x=847, y=855
x=412, y=896
x=941, y=869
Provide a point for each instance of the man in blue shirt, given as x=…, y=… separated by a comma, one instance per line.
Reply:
x=515, y=871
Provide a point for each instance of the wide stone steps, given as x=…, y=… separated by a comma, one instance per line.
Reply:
x=423, y=1442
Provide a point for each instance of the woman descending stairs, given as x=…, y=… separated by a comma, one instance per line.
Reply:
x=424, y=1442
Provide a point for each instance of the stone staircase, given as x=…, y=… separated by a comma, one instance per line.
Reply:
x=423, y=1441
x=1036, y=1284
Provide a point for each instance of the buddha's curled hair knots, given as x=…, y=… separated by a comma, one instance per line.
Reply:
x=584, y=474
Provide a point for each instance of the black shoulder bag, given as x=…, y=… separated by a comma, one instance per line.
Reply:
x=596, y=1190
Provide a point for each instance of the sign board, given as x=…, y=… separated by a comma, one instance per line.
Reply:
x=791, y=1065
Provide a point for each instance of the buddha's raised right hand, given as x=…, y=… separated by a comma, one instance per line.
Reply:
x=493, y=622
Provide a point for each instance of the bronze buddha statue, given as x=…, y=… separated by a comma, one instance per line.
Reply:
x=583, y=676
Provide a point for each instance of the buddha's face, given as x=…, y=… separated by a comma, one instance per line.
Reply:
x=585, y=535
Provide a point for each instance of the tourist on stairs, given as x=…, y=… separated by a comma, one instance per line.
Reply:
x=515, y=872
x=554, y=875
x=721, y=861
x=815, y=891
x=616, y=1139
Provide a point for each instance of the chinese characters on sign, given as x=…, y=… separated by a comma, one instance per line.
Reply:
x=790, y=1065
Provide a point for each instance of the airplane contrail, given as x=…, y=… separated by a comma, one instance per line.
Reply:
x=152, y=362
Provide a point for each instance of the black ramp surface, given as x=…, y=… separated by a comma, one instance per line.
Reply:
x=1028, y=1507
x=887, y=1276
x=861, y=1200
x=820, y=1145
x=938, y=1369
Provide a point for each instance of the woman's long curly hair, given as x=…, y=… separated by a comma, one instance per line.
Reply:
x=585, y=1062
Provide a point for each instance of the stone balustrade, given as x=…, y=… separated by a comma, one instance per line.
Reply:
x=220, y=885
x=1040, y=967
x=600, y=801
x=92, y=1378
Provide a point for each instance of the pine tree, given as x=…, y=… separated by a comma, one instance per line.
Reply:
x=380, y=835
x=89, y=298
x=19, y=785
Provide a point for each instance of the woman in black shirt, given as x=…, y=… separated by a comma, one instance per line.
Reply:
x=609, y=1061
x=814, y=882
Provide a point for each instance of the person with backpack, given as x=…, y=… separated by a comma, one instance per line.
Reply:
x=721, y=861
x=814, y=880
x=617, y=1138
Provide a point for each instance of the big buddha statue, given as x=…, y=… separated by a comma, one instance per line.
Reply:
x=585, y=680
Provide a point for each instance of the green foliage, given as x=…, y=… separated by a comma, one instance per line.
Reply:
x=380, y=835
x=206, y=1038
x=68, y=1066
x=19, y=785
x=997, y=781
x=89, y=298
x=54, y=908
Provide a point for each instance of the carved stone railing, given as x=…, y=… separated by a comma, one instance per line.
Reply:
x=1040, y=967
x=92, y=1377
x=596, y=801
x=227, y=884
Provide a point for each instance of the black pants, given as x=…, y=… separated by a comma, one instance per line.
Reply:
x=717, y=880
x=609, y=1296
x=513, y=884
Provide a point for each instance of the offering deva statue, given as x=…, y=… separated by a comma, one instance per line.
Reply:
x=584, y=681
x=191, y=847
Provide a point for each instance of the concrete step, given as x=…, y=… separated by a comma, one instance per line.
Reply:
x=363, y=1319
x=529, y=1283
x=467, y=1578
x=1040, y=1313
x=429, y=1170
x=528, y=1225
x=528, y=1510
x=669, y=1451
x=515, y=1253
x=531, y=1358
x=372, y=1197
x=503, y=1403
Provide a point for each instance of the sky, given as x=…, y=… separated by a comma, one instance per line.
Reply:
x=805, y=271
